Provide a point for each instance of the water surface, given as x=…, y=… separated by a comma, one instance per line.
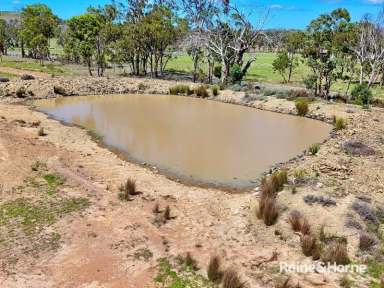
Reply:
x=198, y=140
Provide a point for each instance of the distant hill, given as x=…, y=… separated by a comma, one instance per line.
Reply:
x=9, y=15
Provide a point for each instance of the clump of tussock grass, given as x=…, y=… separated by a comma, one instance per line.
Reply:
x=367, y=241
x=302, y=107
x=59, y=90
x=156, y=208
x=127, y=190
x=180, y=89
x=214, y=272
x=190, y=262
x=314, y=149
x=293, y=94
x=339, y=123
x=299, y=223
x=308, y=244
x=365, y=211
x=202, y=92
x=167, y=214
x=268, y=210
x=21, y=92
x=41, y=132
x=215, y=90
x=231, y=279
x=336, y=253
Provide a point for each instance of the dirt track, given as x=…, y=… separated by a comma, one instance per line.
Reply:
x=101, y=248
x=21, y=72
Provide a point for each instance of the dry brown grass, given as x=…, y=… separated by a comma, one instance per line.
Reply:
x=336, y=253
x=308, y=244
x=156, y=208
x=299, y=223
x=231, y=279
x=41, y=132
x=268, y=210
x=214, y=269
x=128, y=189
x=367, y=241
x=167, y=213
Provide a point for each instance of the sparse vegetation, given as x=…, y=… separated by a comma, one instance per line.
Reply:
x=231, y=279
x=167, y=214
x=21, y=92
x=340, y=123
x=302, y=107
x=308, y=244
x=336, y=253
x=314, y=149
x=367, y=241
x=215, y=90
x=214, y=269
x=127, y=190
x=299, y=223
x=268, y=210
x=201, y=91
x=59, y=90
x=180, y=90
x=41, y=132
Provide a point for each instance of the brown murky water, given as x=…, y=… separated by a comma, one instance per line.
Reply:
x=198, y=140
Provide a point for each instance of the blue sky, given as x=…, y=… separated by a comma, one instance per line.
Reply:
x=283, y=13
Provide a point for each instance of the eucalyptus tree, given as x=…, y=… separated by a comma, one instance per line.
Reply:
x=38, y=26
x=322, y=48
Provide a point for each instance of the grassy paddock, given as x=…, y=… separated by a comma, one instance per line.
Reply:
x=261, y=70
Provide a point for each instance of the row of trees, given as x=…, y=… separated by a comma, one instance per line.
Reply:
x=331, y=47
x=145, y=34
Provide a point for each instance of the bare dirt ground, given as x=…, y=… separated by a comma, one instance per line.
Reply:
x=110, y=243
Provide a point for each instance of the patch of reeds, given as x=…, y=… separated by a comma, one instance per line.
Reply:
x=180, y=89
x=302, y=107
x=202, y=92
x=127, y=190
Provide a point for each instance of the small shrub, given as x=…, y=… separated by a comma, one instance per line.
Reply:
x=310, y=82
x=362, y=95
x=314, y=149
x=4, y=80
x=41, y=132
x=340, y=123
x=201, y=75
x=299, y=174
x=180, y=90
x=365, y=211
x=295, y=219
x=127, y=189
x=325, y=201
x=21, y=92
x=336, y=253
x=190, y=262
x=59, y=90
x=217, y=72
x=215, y=90
x=308, y=244
x=156, y=208
x=268, y=210
x=214, y=270
x=367, y=241
x=346, y=282
x=201, y=91
x=231, y=279
x=142, y=87
x=302, y=107
x=236, y=73
x=167, y=213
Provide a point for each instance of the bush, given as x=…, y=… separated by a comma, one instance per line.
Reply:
x=127, y=189
x=314, y=149
x=308, y=244
x=231, y=279
x=201, y=91
x=21, y=92
x=59, y=90
x=268, y=210
x=362, y=95
x=302, y=107
x=214, y=272
x=236, y=73
x=310, y=82
x=336, y=253
x=180, y=90
x=340, y=123
x=217, y=72
x=3, y=80
x=367, y=241
x=215, y=90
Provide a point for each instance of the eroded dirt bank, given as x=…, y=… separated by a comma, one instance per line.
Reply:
x=96, y=240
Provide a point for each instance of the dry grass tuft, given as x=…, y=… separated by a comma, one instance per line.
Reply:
x=336, y=253
x=128, y=189
x=367, y=241
x=167, y=213
x=231, y=279
x=268, y=210
x=299, y=223
x=156, y=208
x=214, y=272
x=41, y=132
x=308, y=244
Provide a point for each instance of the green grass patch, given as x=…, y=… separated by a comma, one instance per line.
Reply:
x=183, y=276
x=53, y=181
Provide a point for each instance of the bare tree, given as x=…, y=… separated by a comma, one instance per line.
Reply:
x=369, y=47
